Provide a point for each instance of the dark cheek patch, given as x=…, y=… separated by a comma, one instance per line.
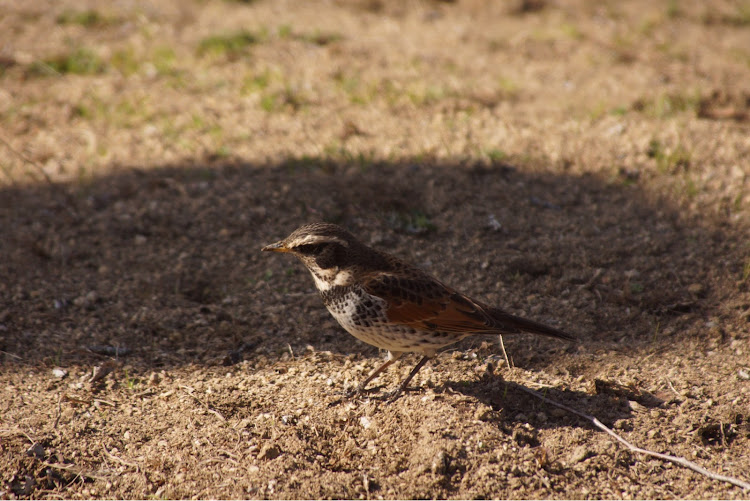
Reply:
x=326, y=260
x=333, y=255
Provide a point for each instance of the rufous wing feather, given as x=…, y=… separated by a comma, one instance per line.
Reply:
x=426, y=304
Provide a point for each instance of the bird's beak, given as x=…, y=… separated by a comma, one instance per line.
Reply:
x=277, y=247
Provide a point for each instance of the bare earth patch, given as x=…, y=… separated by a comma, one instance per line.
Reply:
x=583, y=164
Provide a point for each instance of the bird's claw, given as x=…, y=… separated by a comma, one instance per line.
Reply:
x=392, y=396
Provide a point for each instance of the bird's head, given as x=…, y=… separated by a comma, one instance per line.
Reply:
x=329, y=252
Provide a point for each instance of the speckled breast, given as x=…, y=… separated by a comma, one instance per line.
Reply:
x=364, y=317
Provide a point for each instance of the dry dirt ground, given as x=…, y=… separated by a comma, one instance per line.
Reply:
x=586, y=164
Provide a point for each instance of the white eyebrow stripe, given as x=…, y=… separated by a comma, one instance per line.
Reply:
x=316, y=239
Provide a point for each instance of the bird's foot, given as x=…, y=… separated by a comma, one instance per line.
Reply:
x=351, y=393
x=360, y=390
x=392, y=396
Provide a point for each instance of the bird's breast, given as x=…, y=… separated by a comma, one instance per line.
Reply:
x=364, y=316
x=354, y=307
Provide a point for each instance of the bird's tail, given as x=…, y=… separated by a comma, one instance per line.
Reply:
x=511, y=323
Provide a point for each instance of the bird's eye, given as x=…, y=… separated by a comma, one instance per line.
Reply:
x=310, y=249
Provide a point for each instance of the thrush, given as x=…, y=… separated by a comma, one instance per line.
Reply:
x=388, y=303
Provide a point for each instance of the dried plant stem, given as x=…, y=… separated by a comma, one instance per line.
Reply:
x=665, y=457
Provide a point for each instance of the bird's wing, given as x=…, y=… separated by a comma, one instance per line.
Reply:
x=426, y=304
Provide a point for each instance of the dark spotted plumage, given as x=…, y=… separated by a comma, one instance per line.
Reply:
x=390, y=304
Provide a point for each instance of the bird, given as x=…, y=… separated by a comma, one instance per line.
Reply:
x=388, y=303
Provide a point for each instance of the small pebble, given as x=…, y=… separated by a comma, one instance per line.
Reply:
x=558, y=413
x=579, y=454
x=441, y=463
x=365, y=422
x=635, y=406
x=624, y=425
x=36, y=451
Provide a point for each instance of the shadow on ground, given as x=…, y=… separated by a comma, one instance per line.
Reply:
x=164, y=265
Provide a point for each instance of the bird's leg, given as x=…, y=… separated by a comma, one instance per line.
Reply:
x=395, y=394
x=361, y=386
x=392, y=357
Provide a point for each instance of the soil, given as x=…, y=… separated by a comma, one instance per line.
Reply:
x=582, y=164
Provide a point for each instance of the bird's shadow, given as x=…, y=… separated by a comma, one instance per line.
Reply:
x=514, y=403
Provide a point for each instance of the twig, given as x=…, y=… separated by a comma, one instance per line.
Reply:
x=10, y=354
x=75, y=400
x=59, y=411
x=665, y=457
x=669, y=383
x=145, y=393
x=591, y=280
x=7, y=432
x=215, y=460
x=76, y=470
x=209, y=409
x=538, y=385
x=505, y=354
x=120, y=460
